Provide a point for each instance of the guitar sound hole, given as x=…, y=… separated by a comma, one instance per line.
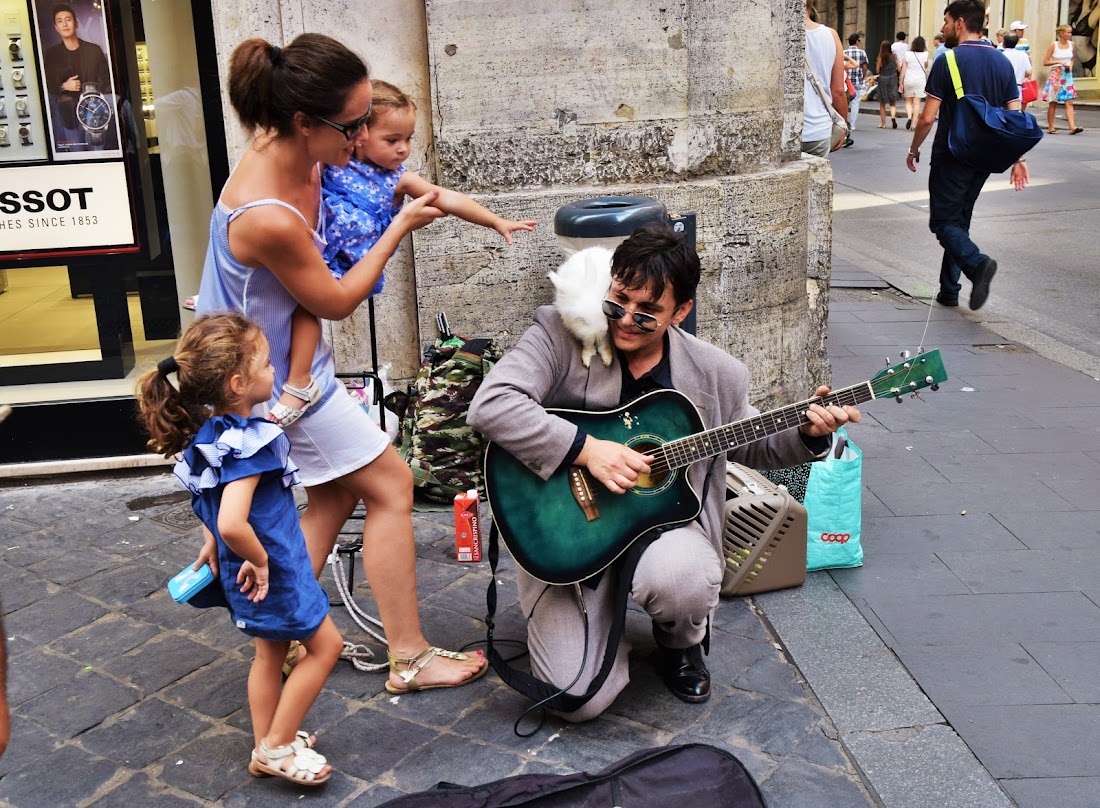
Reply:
x=649, y=481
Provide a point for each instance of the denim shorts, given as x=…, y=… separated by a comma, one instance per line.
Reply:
x=333, y=440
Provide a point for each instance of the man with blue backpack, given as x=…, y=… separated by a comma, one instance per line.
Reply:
x=954, y=183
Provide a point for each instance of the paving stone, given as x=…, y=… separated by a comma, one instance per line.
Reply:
x=774, y=726
x=977, y=497
x=141, y=789
x=963, y=619
x=360, y=755
x=39, y=545
x=217, y=690
x=213, y=764
x=1073, y=665
x=1043, y=792
x=594, y=745
x=35, y=672
x=877, y=442
x=1032, y=741
x=77, y=563
x=986, y=673
x=1056, y=530
x=147, y=732
x=1025, y=570
x=12, y=528
x=272, y=791
x=759, y=765
x=492, y=722
x=28, y=743
x=736, y=616
x=899, y=576
x=1029, y=441
x=45, y=620
x=442, y=708
x=20, y=589
x=109, y=636
x=924, y=766
x=819, y=749
x=458, y=760
x=646, y=700
x=43, y=783
x=124, y=585
x=903, y=535
x=772, y=676
x=160, y=610
x=1079, y=493
x=374, y=796
x=82, y=702
x=161, y=661
x=1034, y=465
x=215, y=628
x=798, y=784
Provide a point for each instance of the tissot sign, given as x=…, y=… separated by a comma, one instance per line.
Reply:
x=69, y=207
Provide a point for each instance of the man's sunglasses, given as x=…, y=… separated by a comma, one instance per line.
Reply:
x=646, y=322
x=350, y=130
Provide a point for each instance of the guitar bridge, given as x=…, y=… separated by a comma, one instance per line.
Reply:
x=580, y=485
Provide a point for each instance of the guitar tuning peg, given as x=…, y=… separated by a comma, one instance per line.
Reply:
x=935, y=388
x=920, y=350
x=915, y=395
x=905, y=354
x=898, y=399
x=887, y=361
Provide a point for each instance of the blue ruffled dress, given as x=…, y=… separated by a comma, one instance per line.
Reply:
x=359, y=207
x=231, y=447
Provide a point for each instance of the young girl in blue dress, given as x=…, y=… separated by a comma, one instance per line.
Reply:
x=239, y=472
x=360, y=201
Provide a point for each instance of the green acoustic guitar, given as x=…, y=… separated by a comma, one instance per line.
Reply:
x=570, y=527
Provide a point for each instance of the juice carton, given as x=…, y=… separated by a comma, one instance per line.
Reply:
x=467, y=526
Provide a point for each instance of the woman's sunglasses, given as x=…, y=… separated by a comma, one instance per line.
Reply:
x=646, y=322
x=350, y=130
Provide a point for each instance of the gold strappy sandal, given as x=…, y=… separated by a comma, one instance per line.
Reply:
x=408, y=667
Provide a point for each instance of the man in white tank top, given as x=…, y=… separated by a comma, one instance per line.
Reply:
x=826, y=58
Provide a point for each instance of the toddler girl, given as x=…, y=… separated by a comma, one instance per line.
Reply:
x=360, y=201
x=239, y=473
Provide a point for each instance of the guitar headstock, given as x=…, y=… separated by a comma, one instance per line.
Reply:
x=910, y=375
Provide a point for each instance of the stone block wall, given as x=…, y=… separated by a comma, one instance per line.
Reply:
x=528, y=106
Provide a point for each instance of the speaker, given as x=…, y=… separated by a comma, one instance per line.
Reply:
x=763, y=535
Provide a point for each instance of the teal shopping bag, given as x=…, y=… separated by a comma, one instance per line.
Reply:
x=834, y=507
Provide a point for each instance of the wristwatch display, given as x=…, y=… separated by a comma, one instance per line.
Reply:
x=93, y=112
x=18, y=79
x=4, y=136
x=3, y=109
x=25, y=134
x=22, y=108
x=15, y=49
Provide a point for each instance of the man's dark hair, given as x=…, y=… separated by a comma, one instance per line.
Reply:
x=853, y=39
x=1010, y=41
x=971, y=12
x=62, y=7
x=901, y=36
x=657, y=257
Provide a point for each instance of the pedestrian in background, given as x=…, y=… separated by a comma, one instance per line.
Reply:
x=913, y=77
x=1059, y=88
x=953, y=186
x=858, y=77
x=825, y=56
x=238, y=469
x=899, y=47
x=1000, y=41
x=1018, y=27
x=1021, y=64
x=938, y=48
x=886, y=70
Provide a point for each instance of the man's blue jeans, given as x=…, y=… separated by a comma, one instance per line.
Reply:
x=953, y=188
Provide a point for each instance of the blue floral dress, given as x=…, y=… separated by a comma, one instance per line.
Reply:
x=359, y=207
x=231, y=447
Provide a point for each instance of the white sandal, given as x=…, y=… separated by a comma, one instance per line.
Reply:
x=285, y=415
x=298, y=765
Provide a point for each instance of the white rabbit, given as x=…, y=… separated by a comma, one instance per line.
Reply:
x=581, y=285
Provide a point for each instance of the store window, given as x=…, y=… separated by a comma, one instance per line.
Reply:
x=108, y=111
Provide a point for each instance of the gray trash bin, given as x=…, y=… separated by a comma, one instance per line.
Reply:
x=607, y=221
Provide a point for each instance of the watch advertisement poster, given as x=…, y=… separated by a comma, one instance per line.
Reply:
x=75, y=58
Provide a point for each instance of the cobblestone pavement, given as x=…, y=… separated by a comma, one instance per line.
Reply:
x=122, y=697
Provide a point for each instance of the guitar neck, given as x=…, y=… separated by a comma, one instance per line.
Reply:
x=685, y=451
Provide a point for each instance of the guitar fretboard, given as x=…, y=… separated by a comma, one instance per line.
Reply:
x=684, y=451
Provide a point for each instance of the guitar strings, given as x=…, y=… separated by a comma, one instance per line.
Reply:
x=685, y=451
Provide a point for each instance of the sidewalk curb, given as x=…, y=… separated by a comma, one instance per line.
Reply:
x=906, y=753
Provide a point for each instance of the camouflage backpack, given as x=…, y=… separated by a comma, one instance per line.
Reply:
x=443, y=451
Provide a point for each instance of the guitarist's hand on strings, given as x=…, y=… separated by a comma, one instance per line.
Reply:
x=827, y=420
x=614, y=465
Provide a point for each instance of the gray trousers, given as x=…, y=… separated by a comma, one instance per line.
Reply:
x=676, y=583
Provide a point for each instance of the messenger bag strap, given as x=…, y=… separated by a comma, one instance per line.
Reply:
x=953, y=68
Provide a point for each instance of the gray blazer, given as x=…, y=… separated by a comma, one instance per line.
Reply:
x=544, y=369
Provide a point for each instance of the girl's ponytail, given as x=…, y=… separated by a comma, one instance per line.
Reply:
x=165, y=416
x=211, y=351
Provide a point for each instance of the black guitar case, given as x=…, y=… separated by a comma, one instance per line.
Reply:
x=692, y=774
